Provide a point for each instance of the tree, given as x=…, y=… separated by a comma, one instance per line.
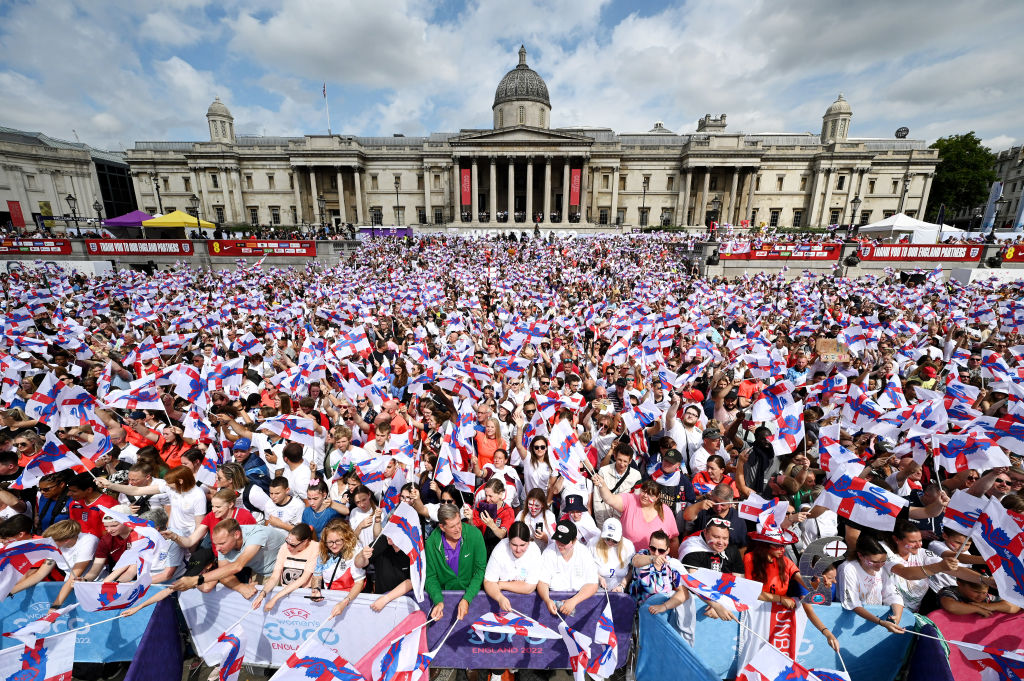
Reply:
x=963, y=176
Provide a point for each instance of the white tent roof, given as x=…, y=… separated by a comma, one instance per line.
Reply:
x=923, y=232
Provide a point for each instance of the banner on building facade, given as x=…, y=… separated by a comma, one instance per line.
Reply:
x=1014, y=253
x=828, y=251
x=260, y=247
x=989, y=220
x=575, y=177
x=1018, y=221
x=17, y=217
x=467, y=186
x=960, y=252
x=40, y=246
x=139, y=247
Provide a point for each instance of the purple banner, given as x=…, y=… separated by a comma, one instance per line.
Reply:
x=468, y=649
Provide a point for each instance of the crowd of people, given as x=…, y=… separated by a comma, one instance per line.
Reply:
x=673, y=385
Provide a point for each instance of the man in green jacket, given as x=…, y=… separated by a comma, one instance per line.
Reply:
x=456, y=561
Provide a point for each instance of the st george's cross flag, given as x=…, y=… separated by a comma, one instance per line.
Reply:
x=1000, y=542
x=18, y=557
x=314, y=661
x=768, y=664
x=858, y=500
x=47, y=659
x=230, y=650
x=39, y=628
x=514, y=624
x=963, y=512
x=790, y=429
x=606, y=646
x=735, y=593
x=400, y=661
x=993, y=663
x=404, y=530
x=578, y=645
x=102, y=596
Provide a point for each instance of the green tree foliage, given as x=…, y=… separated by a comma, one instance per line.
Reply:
x=963, y=176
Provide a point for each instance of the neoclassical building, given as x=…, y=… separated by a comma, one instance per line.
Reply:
x=522, y=171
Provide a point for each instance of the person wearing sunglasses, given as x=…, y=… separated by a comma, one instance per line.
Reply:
x=293, y=569
x=654, y=570
x=863, y=580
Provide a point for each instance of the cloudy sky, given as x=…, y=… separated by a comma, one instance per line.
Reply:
x=117, y=71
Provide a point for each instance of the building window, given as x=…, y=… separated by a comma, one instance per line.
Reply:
x=911, y=213
x=419, y=181
x=223, y=129
x=803, y=183
x=219, y=213
x=666, y=217
x=605, y=180
x=753, y=217
x=334, y=181
x=254, y=215
x=166, y=183
x=622, y=183
x=291, y=180
x=895, y=187
x=670, y=183
x=170, y=209
x=798, y=217
x=603, y=219
x=421, y=214
x=833, y=216
x=713, y=185
x=865, y=217
x=871, y=186
x=31, y=180
x=841, y=182
x=542, y=118
x=501, y=118
x=773, y=217
x=888, y=214
x=151, y=210
x=373, y=182
x=214, y=181
x=522, y=115
x=644, y=213
x=757, y=183
x=191, y=211
x=270, y=180
x=275, y=215
x=248, y=181
x=187, y=183
x=295, y=215
x=778, y=183
x=438, y=216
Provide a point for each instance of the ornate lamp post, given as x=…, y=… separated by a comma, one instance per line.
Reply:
x=321, y=203
x=72, y=205
x=643, y=203
x=855, y=207
x=98, y=207
x=194, y=200
x=398, y=184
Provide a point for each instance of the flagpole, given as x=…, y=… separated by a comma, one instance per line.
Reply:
x=740, y=622
x=315, y=636
x=248, y=611
x=91, y=624
x=444, y=638
x=327, y=106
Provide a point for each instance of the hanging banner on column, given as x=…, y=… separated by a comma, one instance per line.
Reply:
x=989, y=221
x=1018, y=222
x=17, y=217
x=467, y=186
x=574, y=186
x=258, y=247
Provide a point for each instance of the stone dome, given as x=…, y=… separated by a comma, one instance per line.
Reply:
x=521, y=83
x=840, y=106
x=218, y=108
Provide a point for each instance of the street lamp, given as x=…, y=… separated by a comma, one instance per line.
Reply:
x=1000, y=204
x=716, y=205
x=98, y=207
x=194, y=200
x=72, y=204
x=977, y=216
x=321, y=203
x=398, y=184
x=855, y=207
x=643, y=202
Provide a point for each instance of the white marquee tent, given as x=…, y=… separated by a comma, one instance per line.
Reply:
x=920, y=232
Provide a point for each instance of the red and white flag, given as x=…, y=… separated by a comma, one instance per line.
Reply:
x=1000, y=542
x=230, y=650
x=768, y=664
x=513, y=623
x=858, y=500
x=578, y=645
x=782, y=627
x=48, y=659
x=404, y=530
x=39, y=628
x=606, y=653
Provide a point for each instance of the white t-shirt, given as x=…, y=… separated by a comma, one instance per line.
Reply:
x=588, y=530
x=259, y=502
x=290, y=512
x=572, y=575
x=357, y=516
x=614, y=571
x=168, y=553
x=943, y=579
x=298, y=479
x=536, y=476
x=856, y=587
x=83, y=550
x=504, y=567
x=913, y=591
x=547, y=522
x=187, y=509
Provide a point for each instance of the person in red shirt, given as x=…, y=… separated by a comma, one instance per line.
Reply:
x=493, y=516
x=88, y=504
x=111, y=547
x=766, y=562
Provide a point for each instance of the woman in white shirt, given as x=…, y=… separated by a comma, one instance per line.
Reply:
x=500, y=469
x=865, y=581
x=187, y=500
x=514, y=566
x=613, y=554
x=912, y=566
x=538, y=518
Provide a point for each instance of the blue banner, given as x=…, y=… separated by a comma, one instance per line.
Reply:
x=989, y=220
x=114, y=641
x=871, y=653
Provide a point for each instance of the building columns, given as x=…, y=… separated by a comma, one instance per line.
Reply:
x=510, y=203
x=314, y=195
x=456, y=192
x=473, y=199
x=732, y=195
x=829, y=176
x=565, y=190
x=297, y=188
x=924, y=196
x=492, y=194
x=613, y=217
x=359, y=195
x=595, y=213
x=750, y=195
x=529, y=191
x=240, y=199
x=812, y=216
x=226, y=197
x=683, y=201
x=547, y=190
x=428, y=209
x=701, y=209
x=583, y=191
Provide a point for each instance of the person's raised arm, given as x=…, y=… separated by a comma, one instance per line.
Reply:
x=613, y=500
x=104, y=483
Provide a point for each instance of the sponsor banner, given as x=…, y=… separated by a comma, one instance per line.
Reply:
x=113, y=641
x=963, y=253
x=783, y=252
x=574, y=186
x=42, y=246
x=468, y=649
x=466, y=182
x=17, y=217
x=138, y=247
x=1014, y=253
x=260, y=247
x=869, y=652
x=277, y=634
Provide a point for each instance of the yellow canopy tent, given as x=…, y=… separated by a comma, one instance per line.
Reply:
x=177, y=219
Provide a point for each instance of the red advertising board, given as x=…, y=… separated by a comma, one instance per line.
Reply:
x=260, y=247
x=467, y=187
x=39, y=246
x=1014, y=253
x=745, y=251
x=574, y=187
x=139, y=247
x=960, y=252
x=17, y=217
